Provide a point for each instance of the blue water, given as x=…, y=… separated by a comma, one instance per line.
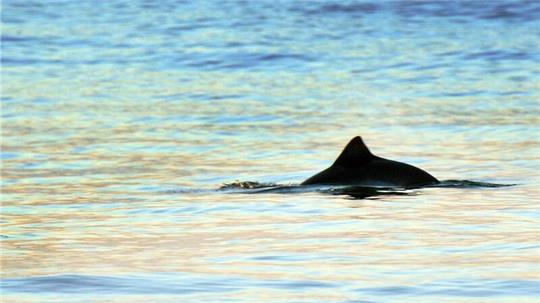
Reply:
x=121, y=121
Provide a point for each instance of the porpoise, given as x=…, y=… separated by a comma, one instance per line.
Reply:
x=356, y=165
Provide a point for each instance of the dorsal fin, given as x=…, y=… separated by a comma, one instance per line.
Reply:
x=356, y=152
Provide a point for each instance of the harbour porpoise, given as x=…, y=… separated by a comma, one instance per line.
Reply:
x=356, y=165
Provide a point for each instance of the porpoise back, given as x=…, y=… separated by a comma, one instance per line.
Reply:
x=356, y=165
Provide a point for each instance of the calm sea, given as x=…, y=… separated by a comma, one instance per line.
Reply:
x=122, y=119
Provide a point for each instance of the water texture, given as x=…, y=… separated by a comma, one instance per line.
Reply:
x=121, y=121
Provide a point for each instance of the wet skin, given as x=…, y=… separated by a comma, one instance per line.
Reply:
x=356, y=165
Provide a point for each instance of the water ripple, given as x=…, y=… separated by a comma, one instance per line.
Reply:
x=157, y=284
x=119, y=118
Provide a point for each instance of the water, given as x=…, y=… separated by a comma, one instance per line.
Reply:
x=122, y=119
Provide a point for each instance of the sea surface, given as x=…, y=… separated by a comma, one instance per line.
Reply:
x=151, y=150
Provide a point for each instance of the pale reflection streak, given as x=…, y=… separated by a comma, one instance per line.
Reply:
x=232, y=241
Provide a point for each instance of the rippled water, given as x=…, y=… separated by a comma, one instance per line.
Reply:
x=122, y=119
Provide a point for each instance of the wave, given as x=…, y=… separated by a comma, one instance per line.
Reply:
x=355, y=191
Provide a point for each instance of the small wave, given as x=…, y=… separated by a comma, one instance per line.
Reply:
x=489, y=10
x=499, y=55
x=356, y=192
x=468, y=184
x=236, y=60
x=8, y=38
x=146, y=284
x=10, y=61
x=246, y=185
x=467, y=288
x=340, y=8
x=80, y=284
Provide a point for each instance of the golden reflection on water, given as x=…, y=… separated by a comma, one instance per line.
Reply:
x=344, y=241
x=111, y=169
x=92, y=195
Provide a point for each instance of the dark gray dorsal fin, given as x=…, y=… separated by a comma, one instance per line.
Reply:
x=356, y=152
